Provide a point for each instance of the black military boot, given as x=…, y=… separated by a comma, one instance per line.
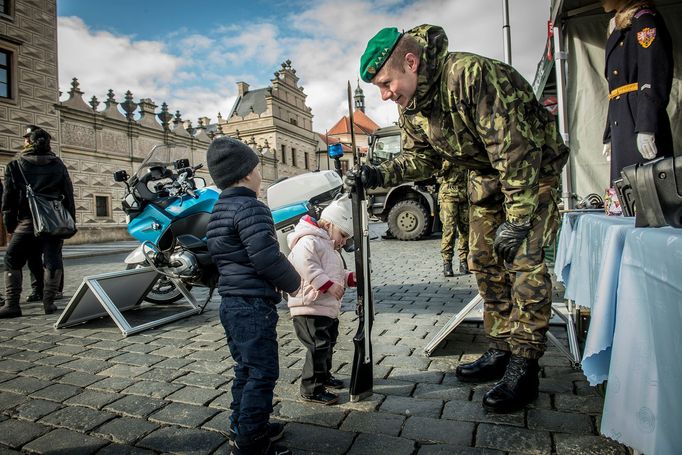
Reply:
x=490, y=366
x=463, y=267
x=259, y=445
x=11, y=308
x=518, y=387
x=447, y=269
x=50, y=289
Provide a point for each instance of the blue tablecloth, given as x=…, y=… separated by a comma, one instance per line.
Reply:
x=643, y=406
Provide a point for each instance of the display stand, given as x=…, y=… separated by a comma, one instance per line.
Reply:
x=573, y=355
x=115, y=292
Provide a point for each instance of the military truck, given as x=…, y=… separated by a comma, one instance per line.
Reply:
x=410, y=209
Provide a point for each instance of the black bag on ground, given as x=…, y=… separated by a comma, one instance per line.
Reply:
x=50, y=217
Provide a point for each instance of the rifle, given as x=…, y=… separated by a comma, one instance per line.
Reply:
x=361, y=379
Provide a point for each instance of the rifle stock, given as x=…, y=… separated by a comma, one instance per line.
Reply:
x=361, y=380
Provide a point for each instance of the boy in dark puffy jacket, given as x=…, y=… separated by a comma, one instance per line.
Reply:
x=243, y=244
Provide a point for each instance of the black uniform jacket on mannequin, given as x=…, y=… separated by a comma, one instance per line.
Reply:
x=642, y=54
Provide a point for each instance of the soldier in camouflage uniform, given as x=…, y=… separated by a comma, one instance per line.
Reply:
x=481, y=114
x=454, y=216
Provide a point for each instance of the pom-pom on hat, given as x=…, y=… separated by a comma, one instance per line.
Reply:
x=230, y=160
x=378, y=51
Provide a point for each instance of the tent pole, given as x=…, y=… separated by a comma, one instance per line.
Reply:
x=560, y=68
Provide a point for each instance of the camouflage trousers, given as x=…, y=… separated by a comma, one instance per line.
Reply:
x=454, y=217
x=518, y=296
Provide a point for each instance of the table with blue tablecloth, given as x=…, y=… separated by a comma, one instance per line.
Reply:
x=631, y=279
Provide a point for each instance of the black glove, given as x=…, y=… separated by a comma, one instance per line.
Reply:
x=508, y=239
x=370, y=176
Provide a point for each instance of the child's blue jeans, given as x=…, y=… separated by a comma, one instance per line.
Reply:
x=250, y=325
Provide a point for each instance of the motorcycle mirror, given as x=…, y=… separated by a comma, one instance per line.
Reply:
x=199, y=182
x=120, y=176
x=181, y=163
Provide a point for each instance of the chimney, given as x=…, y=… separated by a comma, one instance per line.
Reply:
x=242, y=88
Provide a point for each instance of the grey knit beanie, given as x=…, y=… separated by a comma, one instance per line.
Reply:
x=229, y=160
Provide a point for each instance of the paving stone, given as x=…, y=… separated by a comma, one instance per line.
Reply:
x=54, y=360
x=123, y=371
x=46, y=372
x=65, y=442
x=206, y=380
x=77, y=418
x=182, y=440
x=194, y=395
x=393, y=387
x=9, y=400
x=573, y=444
x=119, y=449
x=125, y=430
x=112, y=384
x=35, y=409
x=205, y=366
x=57, y=392
x=136, y=359
x=16, y=433
x=446, y=449
x=366, y=444
x=408, y=362
x=412, y=406
x=29, y=356
x=184, y=415
x=24, y=385
x=410, y=375
x=442, y=392
x=473, y=411
x=317, y=414
x=373, y=423
x=561, y=422
x=93, y=399
x=152, y=389
x=79, y=378
x=222, y=402
x=575, y=403
x=99, y=354
x=317, y=439
x=86, y=365
x=558, y=385
x=220, y=422
x=135, y=406
x=435, y=430
x=512, y=439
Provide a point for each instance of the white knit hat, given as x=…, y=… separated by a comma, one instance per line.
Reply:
x=339, y=213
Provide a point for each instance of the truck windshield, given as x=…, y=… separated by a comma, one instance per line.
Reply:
x=386, y=148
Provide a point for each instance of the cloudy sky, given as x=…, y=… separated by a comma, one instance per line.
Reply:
x=191, y=54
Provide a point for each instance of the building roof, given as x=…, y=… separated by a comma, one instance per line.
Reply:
x=334, y=140
x=251, y=101
x=363, y=124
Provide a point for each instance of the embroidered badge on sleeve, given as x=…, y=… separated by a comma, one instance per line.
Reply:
x=646, y=36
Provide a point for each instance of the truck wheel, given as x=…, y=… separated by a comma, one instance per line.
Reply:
x=408, y=220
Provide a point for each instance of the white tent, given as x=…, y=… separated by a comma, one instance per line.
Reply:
x=580, y=31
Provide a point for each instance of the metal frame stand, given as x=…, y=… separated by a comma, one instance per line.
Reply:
x=115, y=292
x=572, y=354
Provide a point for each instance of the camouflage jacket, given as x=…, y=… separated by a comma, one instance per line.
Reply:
x=453, y=181
x=481, y=114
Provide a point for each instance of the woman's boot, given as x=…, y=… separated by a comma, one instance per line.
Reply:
x=50, y=289
x=11, y=308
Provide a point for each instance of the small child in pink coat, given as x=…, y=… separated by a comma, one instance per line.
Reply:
x=315, y=309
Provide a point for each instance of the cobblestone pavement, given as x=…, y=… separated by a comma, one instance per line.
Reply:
x=88, y=389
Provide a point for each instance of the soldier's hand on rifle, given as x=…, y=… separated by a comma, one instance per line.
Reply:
x=370, y=176
x=508, y=239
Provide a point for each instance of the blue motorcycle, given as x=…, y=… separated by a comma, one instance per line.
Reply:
x=167, y=209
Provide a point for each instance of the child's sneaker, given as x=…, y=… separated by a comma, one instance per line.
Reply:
x=333, y=383
x=275, y=431
x=323, y=397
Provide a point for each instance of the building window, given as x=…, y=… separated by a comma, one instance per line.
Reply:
x=293, y=156
x=293, y=121
x=5, y=73
x=284, y=154
x=6, y=7
x=102, y=207
x=307, y=158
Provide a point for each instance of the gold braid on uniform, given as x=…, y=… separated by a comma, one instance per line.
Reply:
x=625, y=14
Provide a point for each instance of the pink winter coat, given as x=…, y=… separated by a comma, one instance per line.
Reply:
x=315, y=259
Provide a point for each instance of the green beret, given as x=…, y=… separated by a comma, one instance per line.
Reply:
x=378, y=51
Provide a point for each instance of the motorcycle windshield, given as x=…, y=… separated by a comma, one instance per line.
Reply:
x=163, y=156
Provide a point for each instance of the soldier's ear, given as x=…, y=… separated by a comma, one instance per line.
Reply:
x=411, y=62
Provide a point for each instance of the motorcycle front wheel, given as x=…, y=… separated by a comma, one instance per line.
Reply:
x=164, y=291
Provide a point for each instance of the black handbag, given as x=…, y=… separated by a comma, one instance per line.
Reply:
x=50, y=217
